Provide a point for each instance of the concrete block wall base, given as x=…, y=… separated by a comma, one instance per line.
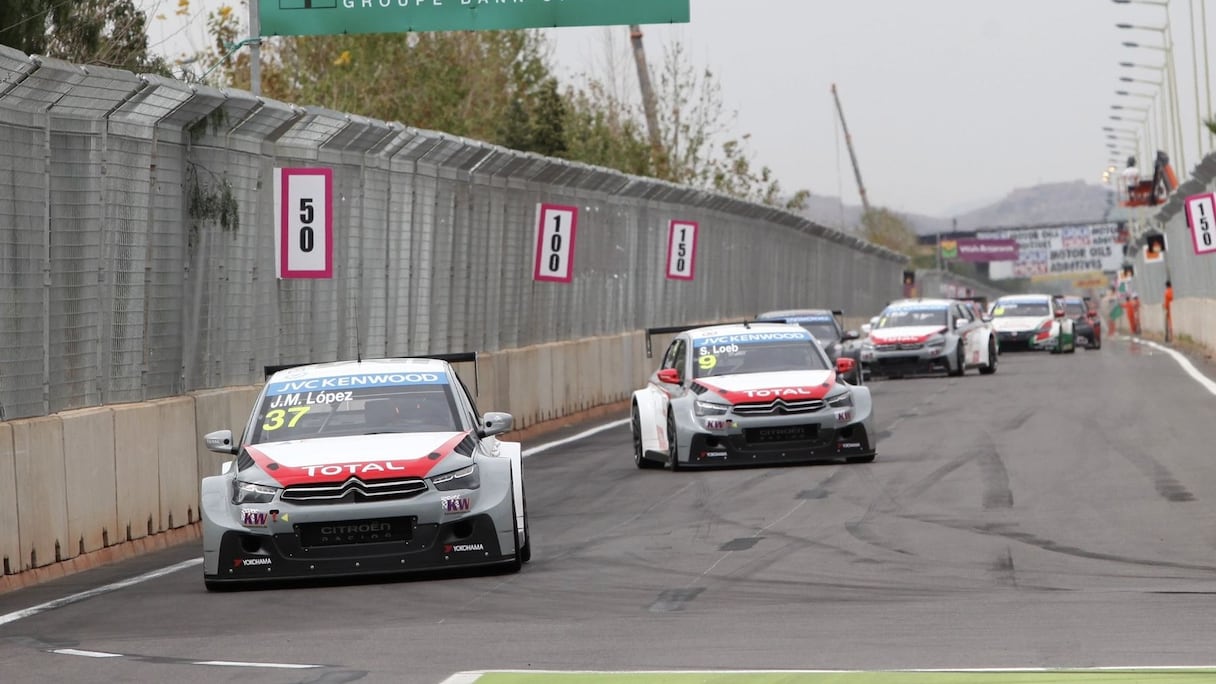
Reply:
x=100, y=557
x=193, y=532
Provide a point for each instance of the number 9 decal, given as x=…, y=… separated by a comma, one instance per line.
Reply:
x=707, y=362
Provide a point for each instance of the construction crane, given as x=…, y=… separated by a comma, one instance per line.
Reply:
x=848, y=140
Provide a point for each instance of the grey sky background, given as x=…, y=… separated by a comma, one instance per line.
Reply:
x=951, y=103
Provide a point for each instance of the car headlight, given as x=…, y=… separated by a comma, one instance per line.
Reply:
x=867, y=346
x=465, y=478
x=936, y=341
x=709, y=408
x=248, y=492
x=841, y=401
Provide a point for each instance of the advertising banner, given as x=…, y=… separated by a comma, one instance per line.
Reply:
x=976, y=250
x=1060, y=250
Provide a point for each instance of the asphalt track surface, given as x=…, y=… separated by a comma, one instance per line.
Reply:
x=1058, y=514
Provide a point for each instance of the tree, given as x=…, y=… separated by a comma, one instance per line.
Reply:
x=464, y=83
x=549, y=121
x=601, y=132
x=107, y=32
x=885, y=228
x=696, y=138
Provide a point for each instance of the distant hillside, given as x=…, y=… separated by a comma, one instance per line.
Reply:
x=1047, y=203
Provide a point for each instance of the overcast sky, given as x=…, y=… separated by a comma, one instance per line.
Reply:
x=951, y=103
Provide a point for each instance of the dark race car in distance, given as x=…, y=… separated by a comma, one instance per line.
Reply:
x=1086, y=325
x=826, y=326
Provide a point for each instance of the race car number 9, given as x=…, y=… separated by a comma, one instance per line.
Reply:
x=555, y=231
x=707, y=362
x=278, y=417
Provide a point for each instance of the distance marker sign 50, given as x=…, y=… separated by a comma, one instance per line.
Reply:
x=304, y=246
x=556, y=226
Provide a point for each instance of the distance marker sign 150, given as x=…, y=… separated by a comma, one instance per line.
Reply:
x=555, y=230
x=682, y=250
x=304, y=225
x=1199, y=216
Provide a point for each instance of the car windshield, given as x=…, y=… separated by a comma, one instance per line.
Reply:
x=730, y=355
x=355, y=405
x=1005, y=309
x=906, y=316
x=1076, y=309
x=822, y=326
x=824, y=332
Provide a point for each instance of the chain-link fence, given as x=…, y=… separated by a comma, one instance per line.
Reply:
x=138, y=251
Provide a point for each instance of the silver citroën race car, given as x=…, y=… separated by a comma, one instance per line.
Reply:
x=751, y=393
x=368, y=467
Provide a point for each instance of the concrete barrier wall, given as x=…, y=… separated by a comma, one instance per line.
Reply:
x=1194, y=321
x=42, y=493
x=79, y=481
x=89, y=466
x=10, y=541
x=137, y=470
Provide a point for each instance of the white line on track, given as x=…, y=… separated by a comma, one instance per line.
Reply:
x=471, y=677
x=574, y=438
x=86, y=654
x=73, y=598
x=272, y=666
x=122, y=584
x=1203, y=380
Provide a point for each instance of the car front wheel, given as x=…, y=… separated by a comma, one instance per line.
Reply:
x=990, y=367
x=673, y=450
x=639, y=455
x=960, y=362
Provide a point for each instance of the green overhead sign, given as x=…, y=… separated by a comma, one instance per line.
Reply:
x=330, y=17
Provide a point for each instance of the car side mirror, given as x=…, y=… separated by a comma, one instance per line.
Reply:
x=845, y=365
x=220, y=442
x=850, y=335
x=1059, y=313
x=987, y=318
x=496, y=423
x=866, y=328
x=960, y=324
x=669, y=376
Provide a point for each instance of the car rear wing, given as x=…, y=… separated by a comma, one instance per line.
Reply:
x=453, y=358
x=677, y=329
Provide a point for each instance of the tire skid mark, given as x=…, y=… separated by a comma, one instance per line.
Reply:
x=997, y=492
x=1002, y=530
x=1165, y=484
x=1003, y=570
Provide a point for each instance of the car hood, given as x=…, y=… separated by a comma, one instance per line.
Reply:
x=367, y=457
x=787, y=385
x=912, y=334
x=1018, y=323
